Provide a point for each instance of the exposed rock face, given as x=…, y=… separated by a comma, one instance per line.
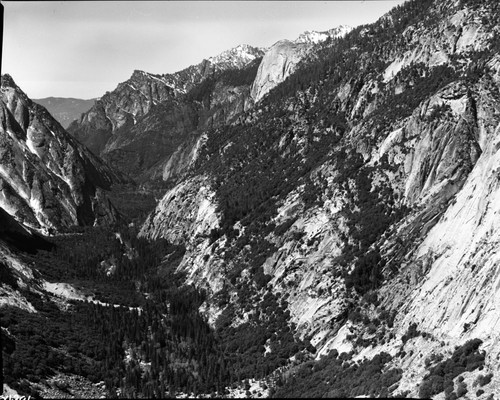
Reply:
x=282, y=57
x=182, y=159
x=448, y=286
x=65, y=110
x=195, y=198
x=130, y=100
x=278, y=63
x=305, y=269
x=435, y=156
x=15, y=275
x=186, y=215
x=457, y=34
x=47, y=179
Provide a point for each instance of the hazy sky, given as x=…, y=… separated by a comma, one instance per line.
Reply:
x=82, y=49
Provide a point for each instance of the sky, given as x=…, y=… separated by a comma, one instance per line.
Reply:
x=82, y=49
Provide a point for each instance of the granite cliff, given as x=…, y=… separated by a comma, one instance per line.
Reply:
x=48, y=180
x=281, y=59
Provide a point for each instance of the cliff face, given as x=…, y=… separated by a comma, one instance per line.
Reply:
x=368, y=189
x=277, y=64
x=281, y=59
x=48, y=180
x=187, y=215
x=448, y=283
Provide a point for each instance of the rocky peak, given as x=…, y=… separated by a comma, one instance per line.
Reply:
x=281, y=58
x=15, y=99
x=236, y=57
x=10, y=89
x=317, y=37
x=137, y=74
x=47, y=180
x=8, y=81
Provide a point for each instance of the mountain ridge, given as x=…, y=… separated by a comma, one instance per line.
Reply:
x=112, y=128
x=49, y=181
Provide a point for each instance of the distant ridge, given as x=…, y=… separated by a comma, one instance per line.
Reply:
x=65, y=109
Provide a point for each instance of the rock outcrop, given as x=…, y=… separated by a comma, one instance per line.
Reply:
x=281, y=59
x=48, y=181
x=187, y=215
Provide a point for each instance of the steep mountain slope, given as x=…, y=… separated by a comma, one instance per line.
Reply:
x=150, y=148
x=129, y=122
x=281, y=58
x=359, y=195
x=65, y=110
x=48, y=180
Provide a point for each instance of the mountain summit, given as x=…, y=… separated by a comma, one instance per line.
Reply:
x=281, y=59
x=236, y=58
x=318, y=37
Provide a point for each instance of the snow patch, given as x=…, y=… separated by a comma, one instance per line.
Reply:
x=317, y=37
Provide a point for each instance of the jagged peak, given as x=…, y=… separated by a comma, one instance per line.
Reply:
x=11, y=90
x=8, y=81
x=242, y=52
x=138, y=74
x=320, y=36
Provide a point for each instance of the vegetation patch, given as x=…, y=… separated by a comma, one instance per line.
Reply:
x=337, y=376
x=465, y=358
